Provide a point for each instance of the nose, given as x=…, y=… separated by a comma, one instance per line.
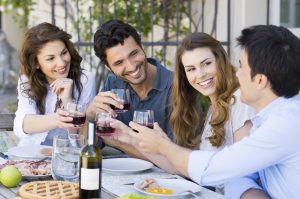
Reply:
x=61, y=61
x=201, y=71
x=130, y=65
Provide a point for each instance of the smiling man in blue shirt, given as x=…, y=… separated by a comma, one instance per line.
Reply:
x=119, y=47
x=269, y=157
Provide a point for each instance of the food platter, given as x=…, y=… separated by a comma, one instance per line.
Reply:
x=31, y=169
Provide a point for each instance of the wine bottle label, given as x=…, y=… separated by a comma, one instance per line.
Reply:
x=89, y=179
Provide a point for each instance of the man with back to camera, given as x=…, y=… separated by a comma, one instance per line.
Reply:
x=269, y=158
x=119, y=47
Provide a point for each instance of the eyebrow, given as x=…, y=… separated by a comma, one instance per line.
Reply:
x=60, y=52
x=200, y=62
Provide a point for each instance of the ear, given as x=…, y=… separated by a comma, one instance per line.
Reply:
x=108, y=68
x=262, y=81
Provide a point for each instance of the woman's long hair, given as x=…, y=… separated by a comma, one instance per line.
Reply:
x=34, y=40
x=185, y=121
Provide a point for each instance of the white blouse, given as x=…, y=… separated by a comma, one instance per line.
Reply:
x=28, y=106
x=239, y=113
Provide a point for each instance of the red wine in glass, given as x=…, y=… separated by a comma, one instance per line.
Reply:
x=78, y=120
x=105, y=130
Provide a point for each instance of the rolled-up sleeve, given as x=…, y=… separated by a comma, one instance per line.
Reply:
x=198, y=161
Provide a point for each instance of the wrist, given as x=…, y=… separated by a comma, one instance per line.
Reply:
x=89, y=113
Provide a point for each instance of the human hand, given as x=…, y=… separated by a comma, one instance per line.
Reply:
x=62, y=87
x=122, y=132
x=62, y=119
x=148, y=140
x=102, y=102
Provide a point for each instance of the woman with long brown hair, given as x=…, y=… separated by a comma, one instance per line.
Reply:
x=202, y=69
x=51, y=76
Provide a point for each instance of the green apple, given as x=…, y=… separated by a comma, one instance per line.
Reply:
x=10, y=176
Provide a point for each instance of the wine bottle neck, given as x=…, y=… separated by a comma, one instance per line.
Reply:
x=91, y=133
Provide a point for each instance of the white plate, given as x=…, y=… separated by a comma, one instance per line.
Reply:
x=125, y=165
x=177, y=185
x=27, y=152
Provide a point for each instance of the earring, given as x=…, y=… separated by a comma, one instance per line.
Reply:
x=38, y=67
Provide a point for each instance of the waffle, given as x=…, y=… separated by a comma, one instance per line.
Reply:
x=49, y=190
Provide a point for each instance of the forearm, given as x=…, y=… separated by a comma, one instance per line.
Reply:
x=38, y=123
x=177, y=156
x=162, y=162
x=126, y=148
x=255, y=193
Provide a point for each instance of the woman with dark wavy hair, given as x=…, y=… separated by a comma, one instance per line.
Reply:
x=51, y=76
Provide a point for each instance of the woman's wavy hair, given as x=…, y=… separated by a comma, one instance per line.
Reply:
x=185, y=121
x=34, y=40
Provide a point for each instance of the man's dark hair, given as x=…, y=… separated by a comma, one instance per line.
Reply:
x=112, y=33
x=275, y=52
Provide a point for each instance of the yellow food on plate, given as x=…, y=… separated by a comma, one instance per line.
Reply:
x=160, y=190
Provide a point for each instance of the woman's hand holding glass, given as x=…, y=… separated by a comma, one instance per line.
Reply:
x=76, y=112
x=62, y=119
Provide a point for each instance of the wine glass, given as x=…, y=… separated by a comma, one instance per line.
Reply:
x=102, y=124
x=77, y=112
x=144, y=117
x=65, y=157
x=124, y=96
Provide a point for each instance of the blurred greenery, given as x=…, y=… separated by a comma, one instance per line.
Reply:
x=23, y=8
x=11, y=107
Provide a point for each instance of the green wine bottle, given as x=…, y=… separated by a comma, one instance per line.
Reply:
x=90, y=167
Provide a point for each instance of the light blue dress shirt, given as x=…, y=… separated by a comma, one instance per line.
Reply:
x=272, y=150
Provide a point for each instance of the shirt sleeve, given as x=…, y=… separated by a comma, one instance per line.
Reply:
x=265, y=147
x=236, y=187
x=25, y=106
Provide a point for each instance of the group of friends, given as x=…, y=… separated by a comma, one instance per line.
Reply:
x=245, y=145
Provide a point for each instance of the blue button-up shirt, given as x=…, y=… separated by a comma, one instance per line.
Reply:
x=158, y=98
x=271, y=153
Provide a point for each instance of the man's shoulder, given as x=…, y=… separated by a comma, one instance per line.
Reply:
x=112, y=81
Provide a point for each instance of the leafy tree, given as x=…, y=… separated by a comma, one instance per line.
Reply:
x=23, y=8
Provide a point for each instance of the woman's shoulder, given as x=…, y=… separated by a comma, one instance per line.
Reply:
x=87, y=76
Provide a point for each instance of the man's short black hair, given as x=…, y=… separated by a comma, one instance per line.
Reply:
x=275, y=52
x=112, y=33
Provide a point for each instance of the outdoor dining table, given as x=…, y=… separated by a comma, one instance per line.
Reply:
x=114, y=184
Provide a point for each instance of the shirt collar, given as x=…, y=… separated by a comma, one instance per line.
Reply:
x=265, y=112
x=161, y=79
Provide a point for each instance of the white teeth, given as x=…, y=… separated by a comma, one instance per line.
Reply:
x=61, y=70
x=206, y=82
x=135, y=73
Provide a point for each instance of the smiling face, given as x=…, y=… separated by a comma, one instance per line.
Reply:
x=54, y=60
x=201, y=70
x=128, y=62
